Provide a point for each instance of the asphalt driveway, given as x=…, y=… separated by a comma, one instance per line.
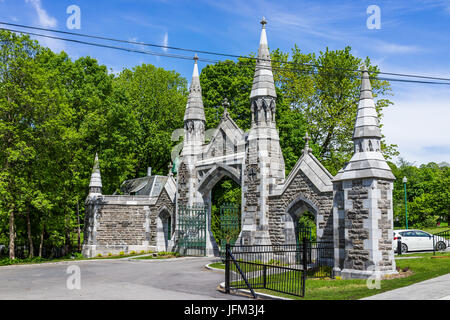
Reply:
x=174, y=279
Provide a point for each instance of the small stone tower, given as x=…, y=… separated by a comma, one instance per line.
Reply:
x=264, y=163
x=194, y=138
x=362, y=208
x=95, y=186
x=93, y=200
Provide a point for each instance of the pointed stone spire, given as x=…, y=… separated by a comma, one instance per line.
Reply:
x=95, y=186
x=367, y=160
x=367, y=124
x=194, y=106
x=263, y=84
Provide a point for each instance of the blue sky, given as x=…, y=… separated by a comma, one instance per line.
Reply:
x=414, y=38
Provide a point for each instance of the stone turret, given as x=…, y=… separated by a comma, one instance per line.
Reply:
x=362, y=208
x=263, y=95
x=264, y=163
x=194, y=138
x=95, y=185
x=367, y=160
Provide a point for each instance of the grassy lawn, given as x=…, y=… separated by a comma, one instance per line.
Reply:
x=77, y=257
x=444, y=226
x=160, y=255
x=425, y=267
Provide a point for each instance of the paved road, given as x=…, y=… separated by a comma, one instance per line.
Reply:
x=432, y=289
x=177, y=279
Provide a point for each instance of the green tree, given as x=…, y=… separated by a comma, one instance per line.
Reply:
x=428, y=194
x=328, y=98
x=156, y=99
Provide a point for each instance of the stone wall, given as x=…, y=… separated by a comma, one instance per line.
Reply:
x=385, y=224
x=123, y=223
x=357, y=256
x=300, y=192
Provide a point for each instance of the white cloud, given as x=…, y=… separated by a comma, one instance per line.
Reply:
x=386, y=47
x=45, y=20
x=165, y=42
x=418, y=123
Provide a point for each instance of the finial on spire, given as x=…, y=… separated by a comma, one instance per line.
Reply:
x=195, y=58
x=263, y=22
x=306, y=149
x=225, y=105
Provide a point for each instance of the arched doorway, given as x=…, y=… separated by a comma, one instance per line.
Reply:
x=301, y=221
x=226, y=212
x=220, y=187
x=164, y=230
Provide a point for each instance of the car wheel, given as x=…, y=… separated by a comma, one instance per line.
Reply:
x=404, y=248
x=440, y=246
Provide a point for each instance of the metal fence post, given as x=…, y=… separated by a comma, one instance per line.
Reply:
x=227, y=268
x=264, y=276
x=434, y=246
x=399, y=247
x=305, y=254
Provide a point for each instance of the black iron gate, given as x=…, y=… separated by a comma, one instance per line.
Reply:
x=281, y=268
x=191, y=230
x=230, y=225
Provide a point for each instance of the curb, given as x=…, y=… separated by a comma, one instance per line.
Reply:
x=214, y=269
x=247, y=293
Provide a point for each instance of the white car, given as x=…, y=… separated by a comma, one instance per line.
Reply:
x=416, y=240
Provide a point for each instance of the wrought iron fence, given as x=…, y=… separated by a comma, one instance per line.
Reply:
x=230, y=226
x=191, y=230
x=441, y=241
x=280, y=268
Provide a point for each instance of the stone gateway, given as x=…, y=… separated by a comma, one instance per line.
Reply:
x=353, y=209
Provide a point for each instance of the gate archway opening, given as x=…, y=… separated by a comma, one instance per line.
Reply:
x=226, y=211
x=301, y=221
x=164, y=230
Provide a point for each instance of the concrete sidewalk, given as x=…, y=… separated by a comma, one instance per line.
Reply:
x=432, y=289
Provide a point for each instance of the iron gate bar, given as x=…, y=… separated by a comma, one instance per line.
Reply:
x=230, y=255
x=192, y=230
x=230, y=225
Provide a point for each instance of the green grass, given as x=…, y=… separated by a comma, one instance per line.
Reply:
x=77, y=257
x=423, y=268
x=160, y=255
x=217, y=265
x=443, y=227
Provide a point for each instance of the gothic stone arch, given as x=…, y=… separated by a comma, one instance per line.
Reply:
x=164, y=228
x=308, y=187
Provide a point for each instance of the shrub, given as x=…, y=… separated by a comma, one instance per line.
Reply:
x=121, y=253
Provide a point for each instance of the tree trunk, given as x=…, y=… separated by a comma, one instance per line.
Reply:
x=78, y=228
x=41, y=243
x=30, y=238
x=67, y=246
x=12, y=233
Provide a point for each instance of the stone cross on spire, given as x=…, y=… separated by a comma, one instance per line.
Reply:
x=263, y=22
x=225, y=105
x=306, y=149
